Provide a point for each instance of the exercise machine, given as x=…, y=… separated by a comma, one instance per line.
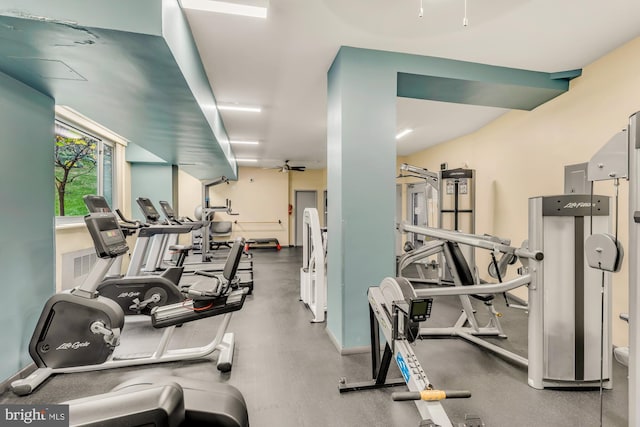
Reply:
x=79, y=330
x=148, y=253
x=564, y=292
x=203, y=238
x=162, y=401
x=565, y=300
x=444, y=200
x=136, y=293
x=313, y=274
x=396, y=311
x=422, y=199
x=97, y=204
x=398, y=308
x=245, y=268
x=619, y=159
x=467, y=324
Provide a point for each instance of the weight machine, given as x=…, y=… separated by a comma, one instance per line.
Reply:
x=445, y=200
x=313, y=274
x=564, y=294
x=205, y=213
x=620, y=158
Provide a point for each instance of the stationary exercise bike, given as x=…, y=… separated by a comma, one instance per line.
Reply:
x=79, y=330
x=136, y=293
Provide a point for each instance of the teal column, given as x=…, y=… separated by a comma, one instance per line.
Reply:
x=361, y=165
x=361, y=159
x=27, y=189
x=154, y=181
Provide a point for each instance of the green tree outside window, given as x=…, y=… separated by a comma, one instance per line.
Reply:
x=75, y=163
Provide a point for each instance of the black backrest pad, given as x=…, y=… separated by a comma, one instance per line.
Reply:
x=460, y=264
x=233, y=259
x=160, y=405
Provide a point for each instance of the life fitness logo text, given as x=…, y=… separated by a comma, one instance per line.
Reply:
x=41, y=415
x=128, y=294
x=73, y=345
x=576, y=205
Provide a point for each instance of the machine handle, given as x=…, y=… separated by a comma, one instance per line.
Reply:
x=430, y=395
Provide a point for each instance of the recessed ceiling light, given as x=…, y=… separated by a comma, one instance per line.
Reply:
x=225, y=7
x=247, y=160
x=404, y=133
x=245, y=142
x=245, y=108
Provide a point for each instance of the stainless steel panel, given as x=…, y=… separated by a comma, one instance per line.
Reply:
x=558, y=299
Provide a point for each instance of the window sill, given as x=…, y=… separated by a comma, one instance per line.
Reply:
x=70, y=226
x=69, y=223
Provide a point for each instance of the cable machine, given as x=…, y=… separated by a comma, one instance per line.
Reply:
x=620, y=158
x=445, y=200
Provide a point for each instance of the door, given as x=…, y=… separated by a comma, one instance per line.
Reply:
x=303, y=199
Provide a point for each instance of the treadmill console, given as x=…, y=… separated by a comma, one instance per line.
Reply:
x=168, y=210
x=149, y=211
x=96, y=203
x=420, y=309
x=106, y=234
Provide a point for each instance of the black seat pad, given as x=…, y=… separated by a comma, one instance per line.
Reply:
x=462, y=268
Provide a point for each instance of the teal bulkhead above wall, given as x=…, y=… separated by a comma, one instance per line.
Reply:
x=133, y=67
x=361, y=158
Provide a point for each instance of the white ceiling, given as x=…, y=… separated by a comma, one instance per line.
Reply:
x=281, y=63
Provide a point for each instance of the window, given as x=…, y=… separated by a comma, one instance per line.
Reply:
x=84, y=164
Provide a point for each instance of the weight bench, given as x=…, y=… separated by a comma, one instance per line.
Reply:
x=264, y=241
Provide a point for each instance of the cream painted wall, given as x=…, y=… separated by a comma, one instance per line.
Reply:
x=311, y=179
x=189, y=194
x=523, y=153
x=260, y=196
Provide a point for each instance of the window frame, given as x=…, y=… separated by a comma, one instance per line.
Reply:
x=102, y=140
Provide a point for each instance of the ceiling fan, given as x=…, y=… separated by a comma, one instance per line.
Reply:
x=286, y=167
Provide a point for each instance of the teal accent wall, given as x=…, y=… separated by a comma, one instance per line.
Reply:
x=27, y=251
x=361, y=158
x=361, y=185
x=153, y=181
x=133, y=67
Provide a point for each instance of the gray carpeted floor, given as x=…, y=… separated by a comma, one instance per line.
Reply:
x=288, y=370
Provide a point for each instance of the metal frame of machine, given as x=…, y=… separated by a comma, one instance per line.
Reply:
x=395, y=309
x=542, y=372
x=97, y=321
x=620, y=158
x=313, y=274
